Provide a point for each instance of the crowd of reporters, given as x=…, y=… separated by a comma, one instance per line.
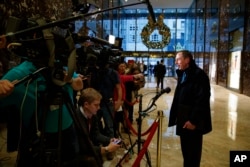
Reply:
x=41, y=117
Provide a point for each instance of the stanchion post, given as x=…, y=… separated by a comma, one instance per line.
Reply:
x=159, y=138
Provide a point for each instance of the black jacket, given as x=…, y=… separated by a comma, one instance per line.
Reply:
x=89, y=154
x=191, y=100
x=160, y=70
x=94, y=133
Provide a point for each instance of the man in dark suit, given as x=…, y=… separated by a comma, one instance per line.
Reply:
x=88, y=105
x=190, y=110
x=160, y=73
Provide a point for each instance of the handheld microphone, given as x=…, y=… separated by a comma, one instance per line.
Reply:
x=166, y=90
x=151, y=11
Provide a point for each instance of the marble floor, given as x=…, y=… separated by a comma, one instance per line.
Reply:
x=230, y=118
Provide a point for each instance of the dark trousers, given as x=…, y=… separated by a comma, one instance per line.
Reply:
x=107, y=113
x=191, y=146
x=160, y=81
x=130, y=113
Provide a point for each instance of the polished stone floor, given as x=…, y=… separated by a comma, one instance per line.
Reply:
x=230, y=118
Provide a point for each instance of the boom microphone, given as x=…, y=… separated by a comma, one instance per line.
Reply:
x=151, y=11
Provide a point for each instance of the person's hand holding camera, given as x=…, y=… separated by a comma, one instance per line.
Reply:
x=76, y=83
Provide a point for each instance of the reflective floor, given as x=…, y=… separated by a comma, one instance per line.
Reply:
x=230, y=117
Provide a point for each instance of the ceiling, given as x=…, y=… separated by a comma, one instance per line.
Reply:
x=160, y=3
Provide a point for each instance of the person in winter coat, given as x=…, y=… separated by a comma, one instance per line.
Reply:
x=190, y=110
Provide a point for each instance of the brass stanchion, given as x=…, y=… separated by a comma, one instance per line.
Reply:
x=159, y=138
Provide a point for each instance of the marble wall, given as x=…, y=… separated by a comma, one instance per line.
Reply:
x=50, y=9
x=246, y=53
x=231, y=15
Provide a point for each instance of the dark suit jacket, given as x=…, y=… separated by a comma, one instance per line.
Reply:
x=94, y=134
x=160, y=70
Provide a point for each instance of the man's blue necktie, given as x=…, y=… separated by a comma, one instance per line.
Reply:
x=183, y=77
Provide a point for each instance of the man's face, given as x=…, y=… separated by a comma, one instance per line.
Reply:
x=92, y=107
x=181, y=62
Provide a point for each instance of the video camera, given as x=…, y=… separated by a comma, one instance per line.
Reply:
x=96, y=51
x=37, y=46
x=52, y=47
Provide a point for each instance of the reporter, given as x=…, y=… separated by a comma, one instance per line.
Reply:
x=132, y=89
x=89, y=105
x=135, y=79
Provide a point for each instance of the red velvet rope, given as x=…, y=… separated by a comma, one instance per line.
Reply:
x=130, y=103
x=132, y=128
x=145, y=145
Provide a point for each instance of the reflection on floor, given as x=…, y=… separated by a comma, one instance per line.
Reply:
x=230, y=116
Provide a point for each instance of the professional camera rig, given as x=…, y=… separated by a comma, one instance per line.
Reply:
x=58, y=47
x=34, y=48
x=102, y=50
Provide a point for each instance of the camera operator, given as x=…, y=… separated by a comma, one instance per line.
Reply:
x=47, y=133
x=6, y=87
x=30, y=100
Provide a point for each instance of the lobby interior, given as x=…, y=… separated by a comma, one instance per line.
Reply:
x=230, y=120
x=230, y=106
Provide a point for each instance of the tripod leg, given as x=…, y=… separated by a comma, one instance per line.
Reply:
x=119, y=117
x=120, y=136
x=148, y=159
x=130, y=140
x=123, y=121
x=124, y=156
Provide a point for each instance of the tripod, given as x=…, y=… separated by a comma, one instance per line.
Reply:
x=53, y=149
x=81, y=134
x=139, y=140
x=143, y=113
